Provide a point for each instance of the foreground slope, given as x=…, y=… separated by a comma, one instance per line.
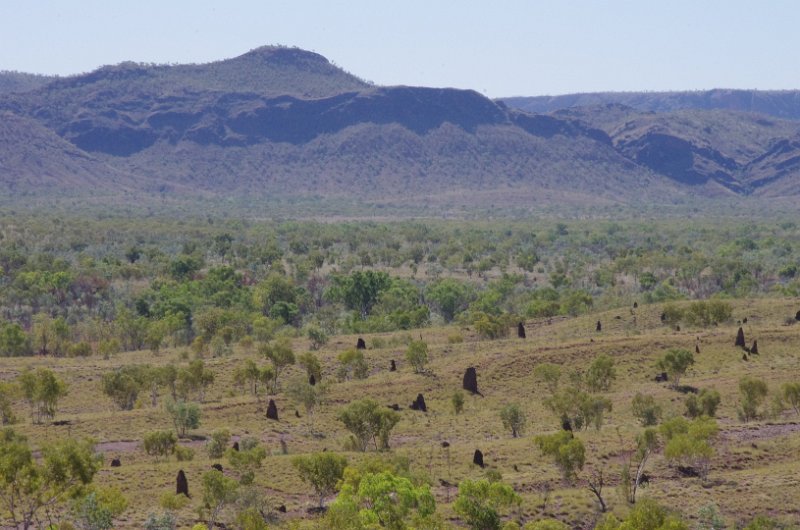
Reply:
x=752, y=471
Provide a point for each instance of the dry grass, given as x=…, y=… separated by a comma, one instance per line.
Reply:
x=754, y=471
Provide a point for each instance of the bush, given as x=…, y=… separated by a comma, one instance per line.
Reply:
x=457, y=401
x=218, y=443
x=567, y=451
x=646, y=410
x=417, y=355
x=704, y=404
x=601, y=374
x=513, y=418
x=159, y=443
x=184, y=454
x=752, y=393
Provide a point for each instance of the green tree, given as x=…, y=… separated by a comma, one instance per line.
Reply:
x=219, y=493
x=30, y=485
x=14, y=342
x=645, y=409
x=194, y=378
x=646, y=515
x=311, y=365
x=479, y=503
x=247, y=460
x=690, y=444
x=752, y=393
x=368, y=422
x=159, y=443
x=321, y=471
x=7, y=393
x=98, y=509
x=280, y=354
x=703, y=404
x=567, y=451
x=218, y=443
x=317, y=336
x=790, y=393
x=601, y=374
x=632, y=471
x=310, y=396
x=457, y=401
x=549, y=374
x=360, y=290
x=676, y=362
x=42, y=389
x=513, y=418
x=380, y=500
x=124, y=384
x=578, y=408
x=449, y=296
x=352, y=364
x=184, y=416
x=417, y=355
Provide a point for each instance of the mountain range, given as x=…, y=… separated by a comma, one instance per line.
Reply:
x=286, y=122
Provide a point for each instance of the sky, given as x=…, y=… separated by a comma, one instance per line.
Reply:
x=499, y=48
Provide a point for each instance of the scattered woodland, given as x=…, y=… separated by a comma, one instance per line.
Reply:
x=206, y=372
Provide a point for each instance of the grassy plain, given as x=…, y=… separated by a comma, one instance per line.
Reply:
x=755, y=468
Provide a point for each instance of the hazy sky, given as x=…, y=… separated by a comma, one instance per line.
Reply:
x=500, y=48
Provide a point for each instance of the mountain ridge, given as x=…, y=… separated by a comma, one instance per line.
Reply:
x=285, y=121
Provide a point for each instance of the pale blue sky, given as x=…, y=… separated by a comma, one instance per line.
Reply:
x=500, y=48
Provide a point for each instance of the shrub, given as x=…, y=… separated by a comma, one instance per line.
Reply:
x=513, y=418
x=703, y=404
x=218, y=443
x=159, y=443
x=457, y=401
x=646, y=410
x=567, y=451
x=417, y=355
x=752, y=392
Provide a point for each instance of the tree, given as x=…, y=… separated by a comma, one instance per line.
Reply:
x=184, y=416
x=124, y=384
x=310, y=396
x=380, y=499
x=98, y=509
x=317, y=336
x=417, y=355
x=704, y=404
x=219, y=492
x=752, y=392
x=321, y=471
x=567, y=451
x=479, y=502
x=247, y=460
x=513, y=418
x=159, y=443
x=646, y=515
x=578, y=408
x=194, y=378
x=7, y=393
x=368, y=422
x=676, y=362
x=218, y=443
x=790, y=393
x=29, y=485
x=42, y=390
x=280, y=355
x=457, y=400
x=646, y=409
x=601, y=374
x=690, y=444
x=13, y=340
x=450, y=296
x=549, y=374
x=352, y=364
x=632, y=471
x=360, y=290
x=311, y=365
